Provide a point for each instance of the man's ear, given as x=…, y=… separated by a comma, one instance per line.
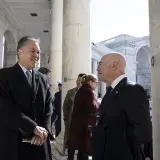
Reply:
x=114, y=65
x=19, y=52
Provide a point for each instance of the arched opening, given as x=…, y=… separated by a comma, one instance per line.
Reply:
x=10, y=56
x=143, y=72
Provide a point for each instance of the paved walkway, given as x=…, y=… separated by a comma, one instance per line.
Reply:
x=58, y=156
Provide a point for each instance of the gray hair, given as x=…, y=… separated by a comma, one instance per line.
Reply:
x=24, y=40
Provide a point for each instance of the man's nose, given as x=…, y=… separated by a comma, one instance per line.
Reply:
x=36, y=55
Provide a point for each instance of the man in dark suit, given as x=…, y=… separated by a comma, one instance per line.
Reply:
x=57, y=108
x=25, y=107
x=124, y=124
x=47, y=73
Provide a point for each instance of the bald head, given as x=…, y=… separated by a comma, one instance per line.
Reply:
x=111, y=66
x=115, y=59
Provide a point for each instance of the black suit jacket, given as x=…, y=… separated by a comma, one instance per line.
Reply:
x=22, y=107
x=124, y=124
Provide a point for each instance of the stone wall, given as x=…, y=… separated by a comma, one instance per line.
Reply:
x=11, y=34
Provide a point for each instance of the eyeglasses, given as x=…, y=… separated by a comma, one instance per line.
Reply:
x=95, y=81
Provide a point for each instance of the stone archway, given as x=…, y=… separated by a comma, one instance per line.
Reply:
x=143, y=72
x=10, y=56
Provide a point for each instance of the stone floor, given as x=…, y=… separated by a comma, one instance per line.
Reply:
x=57, y=155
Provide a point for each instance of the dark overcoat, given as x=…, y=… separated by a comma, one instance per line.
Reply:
x=124, y=125
x=67, y=112
x=22, y=107
x=85, y=104
x=57, y=110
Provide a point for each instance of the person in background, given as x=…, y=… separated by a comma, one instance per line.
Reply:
x=67, y=112
x=47, y=73
x=57, y=109
x=84, y=112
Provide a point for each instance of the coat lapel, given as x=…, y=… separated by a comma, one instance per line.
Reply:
x=109, y=98
x=35, y=82
x=22, y=82
x=20, y=78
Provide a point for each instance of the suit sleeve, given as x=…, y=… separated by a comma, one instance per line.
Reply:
x=66, y=107
x=55, y=103
x=10, y=113
x=138, y=114
x=48, y=111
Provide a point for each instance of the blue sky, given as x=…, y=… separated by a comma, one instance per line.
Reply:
x=110, y=18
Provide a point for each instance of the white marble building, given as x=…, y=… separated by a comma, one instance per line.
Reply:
x=99, y=50
x=17, y=19
x=136, y=52
x=43, y=20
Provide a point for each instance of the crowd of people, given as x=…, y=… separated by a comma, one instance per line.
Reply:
x=117, y=128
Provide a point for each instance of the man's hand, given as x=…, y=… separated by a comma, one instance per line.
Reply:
x=41, y=132
x=36, y=140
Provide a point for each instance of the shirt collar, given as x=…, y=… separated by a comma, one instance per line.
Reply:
x=117, y=80
x=24, y=69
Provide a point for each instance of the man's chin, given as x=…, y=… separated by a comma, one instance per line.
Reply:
x=100, y=77
x=32, y=66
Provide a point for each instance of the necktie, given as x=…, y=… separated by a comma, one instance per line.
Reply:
x=29, y=77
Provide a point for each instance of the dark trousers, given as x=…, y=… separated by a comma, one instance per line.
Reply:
x=71, y=154
x=56, y=120
x=80, y=155
x=148, y=150
x=58, y=126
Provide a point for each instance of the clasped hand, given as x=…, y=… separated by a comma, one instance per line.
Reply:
x=40, y=135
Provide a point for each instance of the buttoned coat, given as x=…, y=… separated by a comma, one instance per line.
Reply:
x=22, y=108
x=124, y=124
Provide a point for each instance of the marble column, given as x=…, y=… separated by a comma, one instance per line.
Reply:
x=76, y=41
x=76, y=47
x=1, y=50
x=94, y=66
x=94, y=70
x=56, y=42
x=154, y=16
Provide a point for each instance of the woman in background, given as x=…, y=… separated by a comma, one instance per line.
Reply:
x=83, y=115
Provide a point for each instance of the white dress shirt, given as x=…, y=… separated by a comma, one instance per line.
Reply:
x=24, y=70
x=117, y=80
